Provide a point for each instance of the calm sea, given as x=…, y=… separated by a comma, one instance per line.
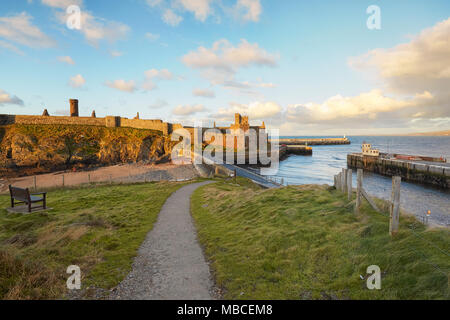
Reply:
x=415, y=198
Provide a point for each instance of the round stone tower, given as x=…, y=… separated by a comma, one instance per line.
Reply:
x=73, y=107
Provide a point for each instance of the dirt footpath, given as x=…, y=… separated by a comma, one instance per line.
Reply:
x=124, y=173
x=170, y=264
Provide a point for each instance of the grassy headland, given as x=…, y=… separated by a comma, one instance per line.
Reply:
x=97, y=228
x=34, y=149
x=305, y=242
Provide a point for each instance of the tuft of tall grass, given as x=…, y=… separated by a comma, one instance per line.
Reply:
x=305, y=242
x=97, y=227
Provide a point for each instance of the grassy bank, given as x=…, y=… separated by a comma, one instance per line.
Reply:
x=305, y=243
x=97, y=228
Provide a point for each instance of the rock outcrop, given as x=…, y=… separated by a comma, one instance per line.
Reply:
x=46, y=148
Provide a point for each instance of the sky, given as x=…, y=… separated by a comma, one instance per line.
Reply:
x=328, y=67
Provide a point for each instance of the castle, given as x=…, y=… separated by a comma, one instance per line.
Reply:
x=166, y=128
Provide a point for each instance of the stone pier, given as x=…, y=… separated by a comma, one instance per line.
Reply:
x=426, y=172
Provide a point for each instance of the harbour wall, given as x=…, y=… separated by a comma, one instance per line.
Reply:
x=314, y=141
x=437, y=175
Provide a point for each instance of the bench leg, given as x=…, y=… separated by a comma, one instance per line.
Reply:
x=45, y=201
x=12, y=202
x=29, y=207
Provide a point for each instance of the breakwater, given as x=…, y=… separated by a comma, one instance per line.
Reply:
x=314, y=141
x=437, y=174
x=300, y=150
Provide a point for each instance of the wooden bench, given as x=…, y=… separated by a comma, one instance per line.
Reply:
x=24, y=196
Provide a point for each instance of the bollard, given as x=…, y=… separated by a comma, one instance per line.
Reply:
x=89, y=178
x=428, y=215
x=63, y=181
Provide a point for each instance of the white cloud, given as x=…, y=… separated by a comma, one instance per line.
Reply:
x=116, y=54
x=245, y=10
x=200, y=8
x=154, y=74
x=266, y=85
x=152, y=37
x=220, y=63
x=162, y=74
x=223, y=55
x=188, y=110
x=6, y=98
x=205, y=93
x=93, y=28
x=171, y=18
x=66, y=59
x=256, y=110
x=62, y=4
x=368, y=106
x=159, y=104
x=77, y=81
x=11, y=47
x=417, y=72
x=96, y=29
x=20, y=29
x=248, y=10
x=154, y=3
x=122, y=85
x=423, y=64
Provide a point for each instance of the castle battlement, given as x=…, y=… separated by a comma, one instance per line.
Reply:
x=241, y=122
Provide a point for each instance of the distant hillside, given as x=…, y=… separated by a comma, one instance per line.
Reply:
x=435, y=133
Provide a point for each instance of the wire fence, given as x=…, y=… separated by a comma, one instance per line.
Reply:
x=108, y=175
x=341, y=184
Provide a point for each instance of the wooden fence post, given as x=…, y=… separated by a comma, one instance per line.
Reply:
x=338, y=180
x=89, y=178
x=349, y=184
x=344, y=180
x=335, y=182
x=395, y=206
x=359, y=178
x=63, y=181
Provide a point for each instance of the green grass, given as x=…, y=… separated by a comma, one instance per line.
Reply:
x=97, y=228
x=306, y=243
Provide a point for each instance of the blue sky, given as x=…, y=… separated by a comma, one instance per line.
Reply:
x=305, y=67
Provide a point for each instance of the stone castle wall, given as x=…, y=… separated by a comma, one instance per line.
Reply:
x=19, y=119
x=158, y=125
x=114, y=121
